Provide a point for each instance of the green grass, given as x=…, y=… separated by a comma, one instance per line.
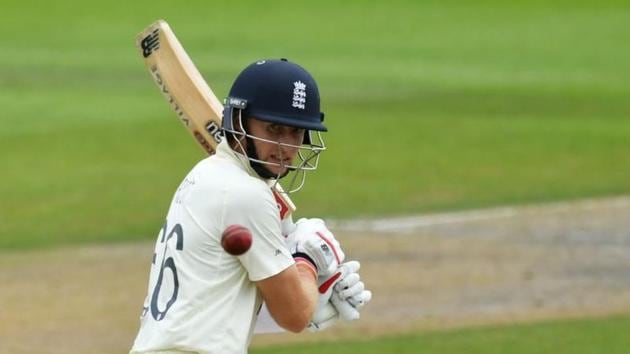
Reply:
x=431, y=106
x=562, y=337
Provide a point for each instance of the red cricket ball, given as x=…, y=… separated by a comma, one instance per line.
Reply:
x=236, y=239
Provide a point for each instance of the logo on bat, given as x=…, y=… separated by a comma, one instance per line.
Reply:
x=150, y=43
x=215, y=131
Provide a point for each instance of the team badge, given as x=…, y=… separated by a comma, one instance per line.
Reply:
x=299, y=95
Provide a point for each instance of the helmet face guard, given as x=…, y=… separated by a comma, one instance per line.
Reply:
x=280, y=92
x=307, y=158
x=234, y=106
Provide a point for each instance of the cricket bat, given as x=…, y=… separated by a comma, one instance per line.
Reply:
x=189, y=95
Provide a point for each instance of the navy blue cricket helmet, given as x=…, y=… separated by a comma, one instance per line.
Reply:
x=276, y=91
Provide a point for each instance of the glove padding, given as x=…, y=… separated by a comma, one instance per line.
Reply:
x=311, y=240
x=326, y=313
x=341, y=295
x=287, y=226
x=349, y=294
x=325, y=316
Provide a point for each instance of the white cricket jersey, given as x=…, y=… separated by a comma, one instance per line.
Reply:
x=200, y=298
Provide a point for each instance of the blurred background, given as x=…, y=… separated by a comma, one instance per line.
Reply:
x=436, y=110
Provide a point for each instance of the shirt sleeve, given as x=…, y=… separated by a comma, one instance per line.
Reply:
x=256, y=209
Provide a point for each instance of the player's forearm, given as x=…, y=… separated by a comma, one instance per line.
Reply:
x=307, y=298
x=308, y=278
x=291, y=296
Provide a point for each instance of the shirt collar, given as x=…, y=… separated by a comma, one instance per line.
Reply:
x=225, y=151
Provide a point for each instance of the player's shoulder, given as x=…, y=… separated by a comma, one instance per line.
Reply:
x=232, y=182
x=227, y=173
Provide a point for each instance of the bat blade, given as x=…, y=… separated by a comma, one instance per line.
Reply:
x=181, y=83
x=188, y=94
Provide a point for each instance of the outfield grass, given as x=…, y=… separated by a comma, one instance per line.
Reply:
x=431, y=106
x=593, y=336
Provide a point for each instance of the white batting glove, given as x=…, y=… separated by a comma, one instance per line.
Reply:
x=349, y=294
x=287, y=226
x=312, y=241
x=325, y=316
x=343, y=286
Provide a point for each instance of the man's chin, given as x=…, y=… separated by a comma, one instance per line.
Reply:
x=270, y=171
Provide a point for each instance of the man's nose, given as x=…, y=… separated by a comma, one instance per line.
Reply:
x=291, y=139
x=289, y=146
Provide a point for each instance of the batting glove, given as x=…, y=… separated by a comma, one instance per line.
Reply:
x=346, y=290
x=287, y=226
x=325, y=316
x=311, y=241
x=349, y=293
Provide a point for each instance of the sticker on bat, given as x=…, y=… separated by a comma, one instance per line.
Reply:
x=150, y=43
x=203, y=142
x=157, y=77
x=215, y=131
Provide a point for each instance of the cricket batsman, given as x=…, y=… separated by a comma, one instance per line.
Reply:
x=200, y=299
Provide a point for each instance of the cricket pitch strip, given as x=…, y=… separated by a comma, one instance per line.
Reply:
x=439, y=271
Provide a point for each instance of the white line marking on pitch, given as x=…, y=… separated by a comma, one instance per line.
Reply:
x=411, y=223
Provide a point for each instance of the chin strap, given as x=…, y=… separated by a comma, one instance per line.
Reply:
x=251, y=153
x=261, y=169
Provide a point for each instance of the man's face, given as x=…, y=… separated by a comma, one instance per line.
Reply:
x=271, y=152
